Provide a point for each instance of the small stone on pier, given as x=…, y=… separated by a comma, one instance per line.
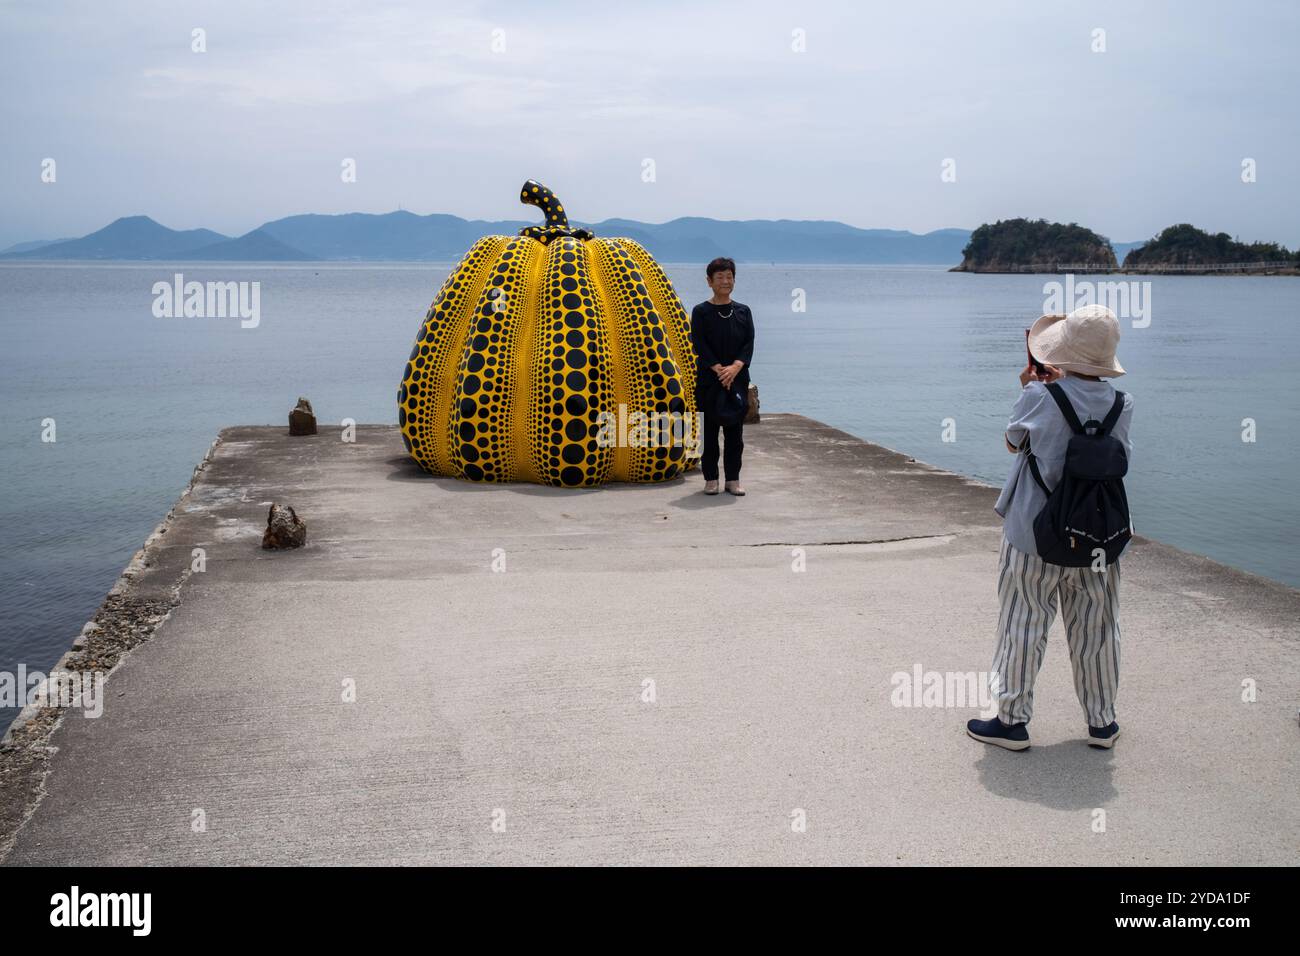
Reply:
x=302, y=420
x=284, y=529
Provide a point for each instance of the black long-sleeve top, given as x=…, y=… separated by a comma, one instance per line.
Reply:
x=721, y=340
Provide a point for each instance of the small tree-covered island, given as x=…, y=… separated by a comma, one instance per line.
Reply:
x=1186, y=246
x=1036, y=245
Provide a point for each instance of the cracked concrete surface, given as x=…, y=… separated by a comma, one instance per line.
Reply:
x=651, y=679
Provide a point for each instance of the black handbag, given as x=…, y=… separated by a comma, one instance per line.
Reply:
x=730, y=404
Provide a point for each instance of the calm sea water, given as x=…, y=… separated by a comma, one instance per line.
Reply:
x=886, y=353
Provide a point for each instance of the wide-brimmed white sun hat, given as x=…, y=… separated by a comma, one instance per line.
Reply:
x=1083, y=341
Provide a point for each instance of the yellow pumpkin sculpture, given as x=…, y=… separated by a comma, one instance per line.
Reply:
x=539, y=350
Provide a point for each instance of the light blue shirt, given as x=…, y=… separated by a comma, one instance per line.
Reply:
x=1038, y=424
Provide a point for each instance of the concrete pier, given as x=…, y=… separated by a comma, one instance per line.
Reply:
x=638, y=675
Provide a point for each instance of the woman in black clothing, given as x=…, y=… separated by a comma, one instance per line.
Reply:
x=722, y=332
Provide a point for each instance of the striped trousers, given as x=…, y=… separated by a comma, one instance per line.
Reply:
x=1028, y=588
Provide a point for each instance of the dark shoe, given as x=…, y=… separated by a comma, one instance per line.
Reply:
x=1014, y=737
x=1103, y=737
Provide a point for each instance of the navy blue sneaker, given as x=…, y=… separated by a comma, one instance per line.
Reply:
x=1013, y=737
x=1103, y=737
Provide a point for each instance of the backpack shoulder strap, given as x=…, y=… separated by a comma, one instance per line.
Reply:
x=1038, y=477
x=1113, y=415
x=1063, y=401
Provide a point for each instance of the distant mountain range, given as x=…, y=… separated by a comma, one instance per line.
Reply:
x=34, y=244
x=404, y=236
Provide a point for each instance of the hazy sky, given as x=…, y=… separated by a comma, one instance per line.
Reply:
x=1151, y=132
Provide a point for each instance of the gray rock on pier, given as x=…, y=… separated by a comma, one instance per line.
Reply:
x=302, y=420
x=284, y=529
x=751, y=414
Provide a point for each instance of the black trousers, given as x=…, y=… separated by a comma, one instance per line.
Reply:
x=734, y=445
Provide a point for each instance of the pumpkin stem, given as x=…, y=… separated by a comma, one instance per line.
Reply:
x=535, y=194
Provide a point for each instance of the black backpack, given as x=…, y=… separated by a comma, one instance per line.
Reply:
x=1088, y=508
